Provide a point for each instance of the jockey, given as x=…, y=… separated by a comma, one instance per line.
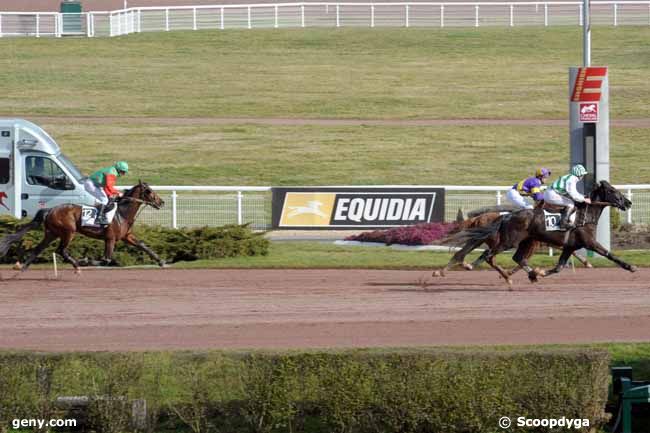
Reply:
x=564, y=192
x=530, y=187
x=101, y=184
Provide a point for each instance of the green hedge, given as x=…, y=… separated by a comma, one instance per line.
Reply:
x=172, y=245
x=414, y=390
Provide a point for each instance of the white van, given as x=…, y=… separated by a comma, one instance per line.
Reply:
x=34, y=174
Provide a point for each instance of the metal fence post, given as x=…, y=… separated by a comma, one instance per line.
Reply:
x=615, y=14
x=139, y=20
x=302, y=15
x=239, y=208
x=407, y=15
x=275, y=13
x=222, y=20
x=512, y=15
x=38, y=25
x=338, y=22
x=167, y=19
x=629, y=211
x=193, y=18
x=442, y=15
x=498, y=198
x=545, y=14
x=0, y=25
x=249, y=17
x=372, y=15
x=174, y=210
x=88, y=18
x=110, y=24
x=476, y=16
x=580, y=12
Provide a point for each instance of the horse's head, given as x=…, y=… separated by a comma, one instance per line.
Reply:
x=142, y=191
x=605, y=192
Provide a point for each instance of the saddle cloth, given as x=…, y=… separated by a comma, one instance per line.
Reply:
x=89, y=215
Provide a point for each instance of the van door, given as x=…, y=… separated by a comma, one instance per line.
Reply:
x=45, y=184
x=6, y=184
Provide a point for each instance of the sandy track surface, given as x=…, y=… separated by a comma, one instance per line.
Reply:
x=186, y=309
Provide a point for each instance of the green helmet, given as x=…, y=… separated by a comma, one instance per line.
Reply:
x=122, y=166
x=578, y=170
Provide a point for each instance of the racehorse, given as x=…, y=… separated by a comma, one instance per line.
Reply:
x=524, y=228
x=484, y=218
x=64, y=221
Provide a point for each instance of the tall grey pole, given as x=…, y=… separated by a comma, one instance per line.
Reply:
x=586, y=34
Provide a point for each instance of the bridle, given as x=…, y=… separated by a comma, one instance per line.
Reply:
x=139, y=200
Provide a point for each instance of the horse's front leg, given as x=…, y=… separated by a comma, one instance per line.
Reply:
x=594, y=245
x=109, y=248
x=583, y=260
x=561, y=263
x=133, y=241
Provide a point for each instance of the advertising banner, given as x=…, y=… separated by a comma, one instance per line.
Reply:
x=350, y=208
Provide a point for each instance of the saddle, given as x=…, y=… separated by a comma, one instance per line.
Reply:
x=551, y=207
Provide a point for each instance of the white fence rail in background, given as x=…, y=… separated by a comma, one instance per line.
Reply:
x=291, y=15
x=194, y=206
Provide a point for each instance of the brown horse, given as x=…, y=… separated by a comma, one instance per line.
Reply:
x=524, y=228
x=64, y=221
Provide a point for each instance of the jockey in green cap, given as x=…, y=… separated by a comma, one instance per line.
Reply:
x=101, y=184
x=564, y=192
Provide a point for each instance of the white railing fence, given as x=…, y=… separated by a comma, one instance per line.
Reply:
x=194, y=206
x=293, y=15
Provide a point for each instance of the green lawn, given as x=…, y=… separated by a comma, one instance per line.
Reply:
x=325, y=73
x=165, y=154
x=328, y=255
x=320, y=73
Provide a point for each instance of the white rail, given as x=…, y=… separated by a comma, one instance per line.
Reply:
x=323, y=14
x=219, y=205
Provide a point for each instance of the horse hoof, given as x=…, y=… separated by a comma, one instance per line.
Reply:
x=18, y=266
x=436, y=274
x=589, y=266
x=633, y=268
x=468, y=266
x=540, y=272
x=77, y=271
x=509, y=281
x=162, y=264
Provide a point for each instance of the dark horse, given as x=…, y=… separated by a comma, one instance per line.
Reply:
x=483, y=218
x=524, y=228
x=64, y=221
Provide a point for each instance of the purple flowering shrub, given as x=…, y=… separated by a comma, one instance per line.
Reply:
x=419, y=234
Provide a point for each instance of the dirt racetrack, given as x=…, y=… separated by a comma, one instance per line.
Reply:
x=201, y=309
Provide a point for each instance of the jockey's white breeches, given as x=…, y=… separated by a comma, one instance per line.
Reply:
x=552, y=197
x=96, y=191
x=516, y=199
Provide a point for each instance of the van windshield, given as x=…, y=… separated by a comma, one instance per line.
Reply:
x=74, y=171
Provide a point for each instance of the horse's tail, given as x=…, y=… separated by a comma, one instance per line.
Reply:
x=9, y=240
x=477, y=235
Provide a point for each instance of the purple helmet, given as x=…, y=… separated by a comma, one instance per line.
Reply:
x=542, y=172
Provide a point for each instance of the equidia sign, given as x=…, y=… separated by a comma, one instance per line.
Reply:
x=336, y=207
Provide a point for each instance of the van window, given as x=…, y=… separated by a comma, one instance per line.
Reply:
x=43, y=171
x=4, y=171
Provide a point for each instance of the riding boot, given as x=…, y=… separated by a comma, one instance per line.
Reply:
x=565, y=223
x=101, y=216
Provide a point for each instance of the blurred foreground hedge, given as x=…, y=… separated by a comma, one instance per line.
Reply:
x=172, y=245
x=409, y=390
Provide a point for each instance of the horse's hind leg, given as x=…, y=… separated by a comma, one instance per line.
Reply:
x=521, y=256
x=63, y=251
x=458, y=257
x=492, y=262
x=47, y=240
